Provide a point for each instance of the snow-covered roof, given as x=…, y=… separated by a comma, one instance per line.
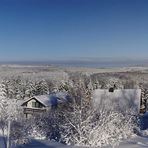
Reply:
x=44, y=99
x=123, y=99
x=51, y=99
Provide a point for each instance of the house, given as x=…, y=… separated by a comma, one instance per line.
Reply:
x=40, y=104
x=119, y=99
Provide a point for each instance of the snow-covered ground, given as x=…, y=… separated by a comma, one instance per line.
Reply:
x=136, y=142
x=1, y=143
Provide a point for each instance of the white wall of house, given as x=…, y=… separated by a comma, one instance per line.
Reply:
x=29, y=103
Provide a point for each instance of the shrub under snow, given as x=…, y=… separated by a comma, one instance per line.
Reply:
x=110, y=129
x=97, y=129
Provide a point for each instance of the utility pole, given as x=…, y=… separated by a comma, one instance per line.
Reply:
x=8, y=134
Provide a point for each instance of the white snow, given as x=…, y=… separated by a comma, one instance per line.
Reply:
x=135, y=142
x=123, y=99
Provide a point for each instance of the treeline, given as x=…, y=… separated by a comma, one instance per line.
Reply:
x=19, y=87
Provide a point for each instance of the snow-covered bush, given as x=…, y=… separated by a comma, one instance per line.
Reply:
x=110, y=128
x=18, y=134
x=97, y=128
x=36, y=132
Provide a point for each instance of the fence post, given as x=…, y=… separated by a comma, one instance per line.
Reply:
x=8, y=134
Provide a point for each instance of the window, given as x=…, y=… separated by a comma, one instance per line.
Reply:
x=33, y=104
x=36, y=104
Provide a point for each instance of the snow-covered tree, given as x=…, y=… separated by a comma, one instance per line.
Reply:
x=9, y=110
x=3, y=112
x=41, y=88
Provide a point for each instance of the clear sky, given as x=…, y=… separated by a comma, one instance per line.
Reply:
x=63, y=29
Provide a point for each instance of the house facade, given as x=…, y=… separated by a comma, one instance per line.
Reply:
x=33, y=107
x=40, y=104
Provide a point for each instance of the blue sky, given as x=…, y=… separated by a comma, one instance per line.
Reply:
x=42, y=30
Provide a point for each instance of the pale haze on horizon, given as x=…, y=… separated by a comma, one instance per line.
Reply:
x=38, y=30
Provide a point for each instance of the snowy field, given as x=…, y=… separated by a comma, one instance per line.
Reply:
x=44, y=69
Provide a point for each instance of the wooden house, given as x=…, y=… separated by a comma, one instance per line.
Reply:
x=40, y=104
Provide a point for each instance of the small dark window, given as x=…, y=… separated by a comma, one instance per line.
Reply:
x=33, y=104
x=36, y=104
x=111, y=89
